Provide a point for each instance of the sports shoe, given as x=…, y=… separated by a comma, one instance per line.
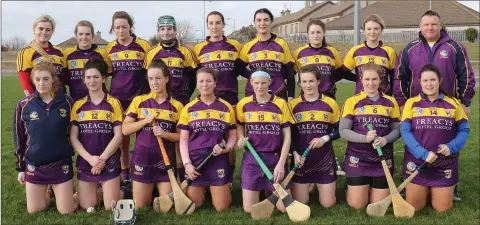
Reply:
x=456, y=195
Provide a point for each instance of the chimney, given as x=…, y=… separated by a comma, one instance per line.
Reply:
x=287, y=12
x=307, y=4
x=99, y=34
x=282, y=13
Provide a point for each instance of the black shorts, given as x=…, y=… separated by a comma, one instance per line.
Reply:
x=374, y=182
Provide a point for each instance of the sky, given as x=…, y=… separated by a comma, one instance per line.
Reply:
x=18, y=16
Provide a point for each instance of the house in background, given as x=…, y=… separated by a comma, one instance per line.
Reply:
x=401, y=19
x=97, y=39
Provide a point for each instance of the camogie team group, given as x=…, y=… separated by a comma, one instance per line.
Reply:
x=422, y=95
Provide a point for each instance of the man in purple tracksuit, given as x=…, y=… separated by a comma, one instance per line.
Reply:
x=434, y=46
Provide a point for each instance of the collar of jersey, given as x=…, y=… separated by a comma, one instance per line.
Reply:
x=273, y=36
x=223, y=39
x=320, y=96
x=89, y=99
x=380, y=44
x=364, y=95
x=272, y=97
x=198, y=98
x=94, y=46
x=154, y=95
x=53, y=94
x=425, y=97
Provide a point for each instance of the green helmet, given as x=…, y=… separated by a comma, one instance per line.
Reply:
x=167, y=20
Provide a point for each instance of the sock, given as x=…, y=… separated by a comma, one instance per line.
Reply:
x=125, y=174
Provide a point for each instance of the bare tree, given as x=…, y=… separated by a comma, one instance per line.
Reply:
x=185, y=30
x=15, y=42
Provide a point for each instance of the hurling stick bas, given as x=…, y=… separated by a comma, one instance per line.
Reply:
x=381, y=207
x=296, y=211
x=264, y=209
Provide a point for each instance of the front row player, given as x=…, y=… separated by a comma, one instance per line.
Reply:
x=435, y=128
x=148, y=167
x=44, y=158
x=365, y=176
x=265, y=120
x=204, y=123
x=96, y=135
x=316, y=125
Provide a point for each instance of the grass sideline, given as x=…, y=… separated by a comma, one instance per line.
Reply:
x=465, y=212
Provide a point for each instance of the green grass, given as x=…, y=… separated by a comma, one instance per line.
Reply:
x=466, y=212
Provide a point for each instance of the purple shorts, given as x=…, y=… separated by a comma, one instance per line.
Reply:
x=215, y=172
x=442, y=173
x=56, y=172
x=112, y=170
x=356, y=165
x=317, y=177
x=252, y=176
x=149, y=174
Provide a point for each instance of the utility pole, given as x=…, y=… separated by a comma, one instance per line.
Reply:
x=356, y=23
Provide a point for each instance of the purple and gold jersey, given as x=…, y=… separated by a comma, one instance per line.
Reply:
x=274, y=55
x=264, y=122
x=27, y=58
x=95, y=123
x=181, y=63
x=208, y=124
x=147, y=151
x=222, y=56
x=314, y=120
x=382, y=55
x=433, y=123
x=75, y=59
x=380, y=113
x=128, y=76
x=326, y=59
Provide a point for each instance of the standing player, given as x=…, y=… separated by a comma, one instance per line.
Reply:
x=179, y=59
x=158, y=106
x=40, y=50
x=127, y=54
x=42, y=149
x=265, y=120
x=371, y=51
x=435, y=129
x=76, y=57
x=272, y=53
x=365, y=176
x=205, y=122
x=323, y=56
x=316, y=126
x=221, y=54
x=96, y=135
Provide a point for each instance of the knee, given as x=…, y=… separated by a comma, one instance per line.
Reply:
x=441, y=208
x=32, y=210
x=329, y=203
x=356, y=204
x=65, y=211
x=222, y=208
x=247, y=209
x=281, y=208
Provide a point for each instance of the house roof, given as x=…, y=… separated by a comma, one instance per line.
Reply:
x=97, y=39
x=403, y=14
x=334, y=10
x=296, y=16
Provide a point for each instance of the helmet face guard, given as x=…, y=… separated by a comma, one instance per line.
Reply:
x=124, y=212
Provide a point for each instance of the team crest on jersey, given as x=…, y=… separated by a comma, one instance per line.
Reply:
x=254, y=56
x=81, y=115
x=354, y=159
x=230, y=56
x=325, y=117
x=108, y=115
x=277, y=56
x=411, y=166
x=145, y=112
x=448, y=112
x=34, y=115
x=138, y=168
x=206, y=57
x=361, y=109
x=384, y=62
x=443, y=54
x=66, y=169
x=221, y=115
x=299, y=117
x=194, y=115
x=274, y=117
x=448, y=174
x=419, y=111
x=170, y=115
x=388, y=111
x=73, y=63
x=249, y=116
x=115, y=55
x=31, y=168
x=304, y=60
x=329, y=60
x=221, y=173
x=359, y=59
x=139, y=56
x=39, y=60
x=63, y=112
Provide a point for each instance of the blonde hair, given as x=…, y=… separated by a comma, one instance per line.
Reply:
x=85, y=23
x=374, y=18
x=372, y=67
x=48, y=67
x=44, y=18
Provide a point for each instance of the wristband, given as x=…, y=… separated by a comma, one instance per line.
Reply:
x=326, y=138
